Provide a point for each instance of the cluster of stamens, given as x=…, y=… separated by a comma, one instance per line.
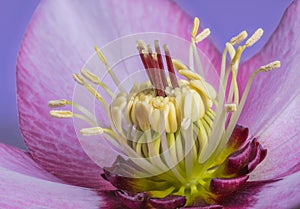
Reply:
x=180, y=135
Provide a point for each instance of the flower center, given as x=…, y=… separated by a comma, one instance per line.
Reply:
x=176, y=136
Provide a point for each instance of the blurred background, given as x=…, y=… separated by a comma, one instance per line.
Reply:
x=225, y=19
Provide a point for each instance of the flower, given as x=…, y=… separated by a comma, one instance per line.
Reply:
x=67, y=163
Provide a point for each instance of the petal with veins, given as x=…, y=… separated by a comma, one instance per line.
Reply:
x=24, y=184
x=271, y=92
x=284, y=193
x=283, y=144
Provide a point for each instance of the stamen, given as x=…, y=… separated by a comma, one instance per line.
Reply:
x=90, y=76
x=179, y=65
x=235, y=86
x=255, y=37
x=95, y=79
x=69, y=114
x=189, y=74
x=236, y=115
x=78, y=79
x=203, y=35
x=270, y=66
x=235, y=63
x=230, y=107
x=63, y=102
x=57, y=103
x=195, y=27
x=230, y=50
x=109, y=70
x=61, y=114
x=96, y=94
x=236, y=59
x=81, y=81
x=223, y=82
x=91, y=131
x=149, y=49
x=194, y=53
x=239, y=38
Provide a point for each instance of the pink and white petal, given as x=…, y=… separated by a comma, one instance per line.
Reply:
x=20, y=191
x=284, y=193
x=58, y=41
x=19, y=161
x=271, y=91
x=24, y=184
x=282, y=141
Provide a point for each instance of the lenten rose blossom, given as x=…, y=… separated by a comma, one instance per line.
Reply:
x=56, y=173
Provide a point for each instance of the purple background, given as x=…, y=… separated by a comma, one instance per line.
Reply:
x=224, y=18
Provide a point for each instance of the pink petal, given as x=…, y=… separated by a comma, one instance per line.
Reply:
x=284, y=193
x=272, y=91
x=59, y=39
x=24, y=184
x=19, y=161
x=21, y=191
x=283, y=144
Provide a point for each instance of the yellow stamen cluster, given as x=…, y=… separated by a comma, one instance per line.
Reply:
x=145, y=110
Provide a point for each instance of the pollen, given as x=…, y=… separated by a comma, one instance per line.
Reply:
x=176, y=132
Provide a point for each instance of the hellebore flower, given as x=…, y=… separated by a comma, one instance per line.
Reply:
x=56, y=173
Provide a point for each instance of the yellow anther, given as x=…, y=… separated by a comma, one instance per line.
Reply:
x=172, y=118
x=61, y=114
x=239, y=38
x=90, y=76
x=95, y=79
x=178, y=65
x=154, y=55
x=109, y=70
x=57, y=103
x=141, y=44
x=230, y=107
x=101, y=55
x=142, y=115
x=191, y=75
x=154, y=119
x=270, y=66
x=78, y=79
x=203, y=35
x=204, y=87
x=255, y=37
x=91, y=131
x=195, y=27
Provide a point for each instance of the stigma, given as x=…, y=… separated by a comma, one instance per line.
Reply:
x=177, y=131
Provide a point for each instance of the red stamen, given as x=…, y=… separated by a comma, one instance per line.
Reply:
x=171, y=68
